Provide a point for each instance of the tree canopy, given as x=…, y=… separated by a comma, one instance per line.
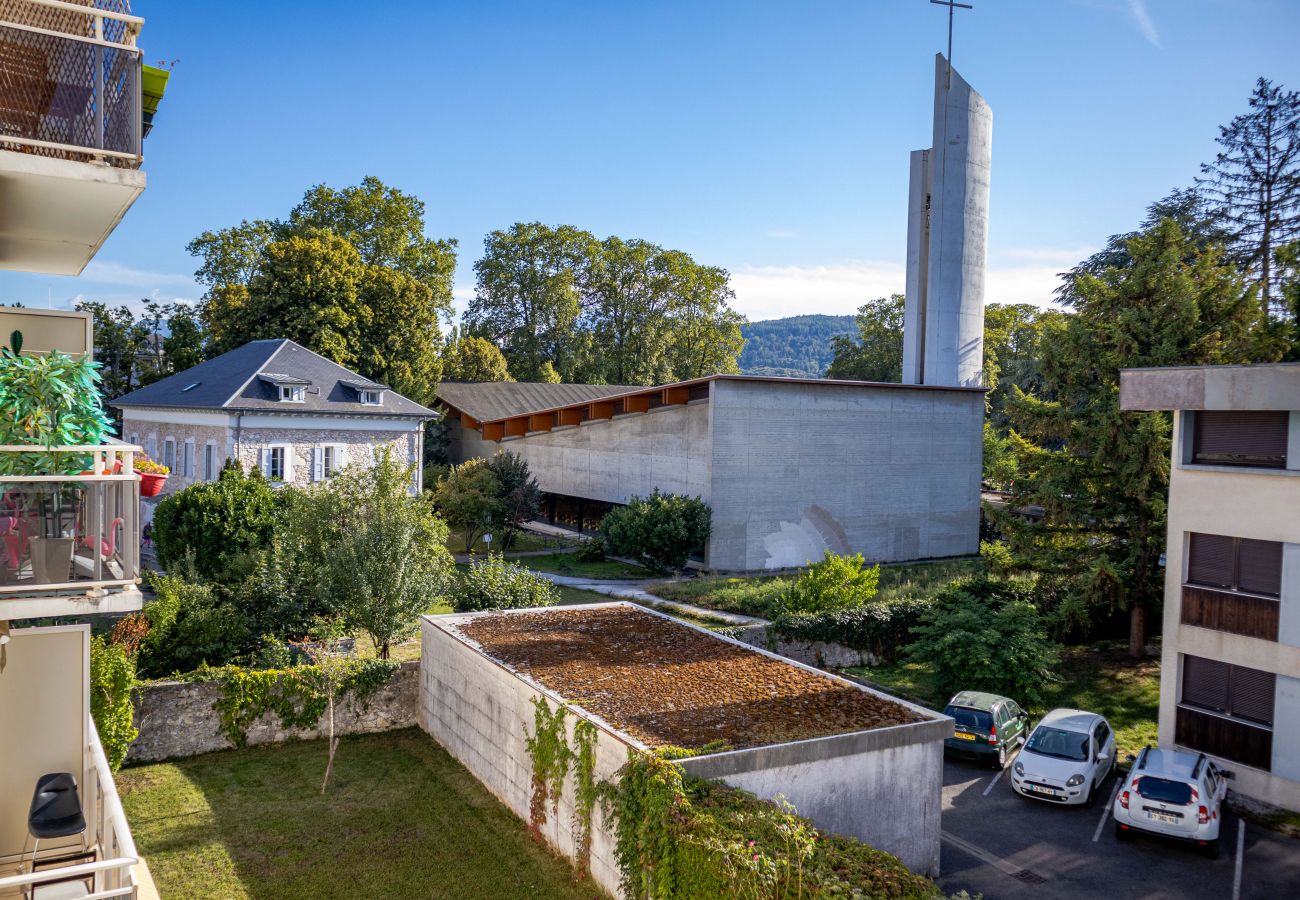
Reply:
x=876, y=352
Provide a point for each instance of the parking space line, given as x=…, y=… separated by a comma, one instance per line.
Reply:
x=1241, y=847
x=1004, y=866
x=1110, y=804
x=993, y=782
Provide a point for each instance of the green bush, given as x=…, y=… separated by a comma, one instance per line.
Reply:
x=882, y=628
x=591, y=550
x=836, y=582
x=189, y=626
x=493, y=583
x=519, y=499
x=112, y=675
x=661, y=530
x=986, y=634
x=216, y=521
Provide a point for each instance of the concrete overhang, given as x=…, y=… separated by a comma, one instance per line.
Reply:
x=55, y=214
x=1265, y=387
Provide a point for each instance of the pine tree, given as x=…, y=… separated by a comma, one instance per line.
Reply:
x=1254, y=183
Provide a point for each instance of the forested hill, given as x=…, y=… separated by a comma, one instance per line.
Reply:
x=799, y=346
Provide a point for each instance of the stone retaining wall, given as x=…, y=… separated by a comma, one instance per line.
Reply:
x=176, y=718
x=822, y=654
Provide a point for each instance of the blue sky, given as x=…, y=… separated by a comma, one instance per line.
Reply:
x=769, y=138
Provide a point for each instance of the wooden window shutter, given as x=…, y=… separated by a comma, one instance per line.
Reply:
x=1240, y=438
x=1205, y=683
x=1252, y=694
x=1259, y=567
x=1210, y=560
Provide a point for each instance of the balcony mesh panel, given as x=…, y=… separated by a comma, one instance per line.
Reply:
x=47, y=93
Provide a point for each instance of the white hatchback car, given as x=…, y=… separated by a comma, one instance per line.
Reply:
x=1066, y=758
x=1175, y=794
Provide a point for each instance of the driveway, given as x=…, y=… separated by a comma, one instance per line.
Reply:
x=1004, y=846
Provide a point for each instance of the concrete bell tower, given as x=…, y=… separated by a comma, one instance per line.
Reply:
x=947, y=237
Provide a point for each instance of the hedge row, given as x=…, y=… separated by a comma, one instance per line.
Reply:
x=881, y=628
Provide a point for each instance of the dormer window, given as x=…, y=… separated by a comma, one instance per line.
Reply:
x=293, y=393
x=370, y=398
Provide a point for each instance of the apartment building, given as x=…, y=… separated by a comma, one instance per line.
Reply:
x=1230, y=678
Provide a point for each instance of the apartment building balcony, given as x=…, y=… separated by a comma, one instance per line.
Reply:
x=70, y=129
x=69, y=544
x=44, y=705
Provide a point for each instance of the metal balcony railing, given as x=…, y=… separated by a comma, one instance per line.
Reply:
x=107, y=868
x=69, y=535
x=70, y=80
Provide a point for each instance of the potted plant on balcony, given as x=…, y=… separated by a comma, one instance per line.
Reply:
x=47, y=401
x=152, y=476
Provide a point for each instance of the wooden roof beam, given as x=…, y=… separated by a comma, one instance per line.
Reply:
x=571, y=416
x=637, y=403
x=676, y=395
x=601, y=409
x=517, y=427
x=543, y=422
x=494, y=431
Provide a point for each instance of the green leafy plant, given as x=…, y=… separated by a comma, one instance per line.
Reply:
x=548, y=750
x=835, y=582
x=591, y=550
x=216, y=521
x=49, y=400
x=467, y=498
x=112, y=676
x=494, y=583
x=986, y=634
x=519, y=499
x=586, y=792
x=881, y=628
x=662, y=530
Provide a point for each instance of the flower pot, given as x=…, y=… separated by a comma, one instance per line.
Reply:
x=51, y=559
x=151, y=483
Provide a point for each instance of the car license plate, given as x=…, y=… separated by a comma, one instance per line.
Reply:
x=1033, y=788
x=963, y=736
x=1163, y=817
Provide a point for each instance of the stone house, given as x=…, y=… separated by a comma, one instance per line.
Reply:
x=273, y=405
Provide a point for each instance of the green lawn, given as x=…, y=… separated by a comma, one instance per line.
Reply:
x=760, y=596
x=525, y=541
x=401, y=819
x=568, y=564
x=1125, y=691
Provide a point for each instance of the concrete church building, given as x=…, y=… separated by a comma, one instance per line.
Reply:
x=794, y=467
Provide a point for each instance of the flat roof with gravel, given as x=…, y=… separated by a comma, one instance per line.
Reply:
x=667, y=684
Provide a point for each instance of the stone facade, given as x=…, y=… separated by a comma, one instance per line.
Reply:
x=153, y=437
x=177, y=718
x=357, y=447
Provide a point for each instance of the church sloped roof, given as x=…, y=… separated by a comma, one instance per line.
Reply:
x=502, y=399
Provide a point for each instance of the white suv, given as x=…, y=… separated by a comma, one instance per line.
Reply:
x=1174, y=794
x=1066, y=759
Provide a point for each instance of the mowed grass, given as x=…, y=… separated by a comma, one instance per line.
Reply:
x=761, y=595
x=1106, y=681
x=401, y=818
x=568, y=564
x=524, y=542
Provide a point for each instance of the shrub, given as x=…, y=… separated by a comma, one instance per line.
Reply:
x=518, y=497
x=985, y=634
x=880, y=628
x=591, y=550
x=836, y=582
x=998, y=557
x=112, y=675
x=661, y=530
x=467, y=498
x=493, y=583
x=216, y=521
x=189, y=627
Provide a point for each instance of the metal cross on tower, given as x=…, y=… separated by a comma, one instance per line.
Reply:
x=952, y=5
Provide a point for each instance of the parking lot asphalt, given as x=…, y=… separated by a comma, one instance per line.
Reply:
x=1002, y=845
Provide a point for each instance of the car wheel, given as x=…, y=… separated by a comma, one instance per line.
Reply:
x=1000, y=761
x=1091, y=800
x=1123, y=835
x=1210, y=850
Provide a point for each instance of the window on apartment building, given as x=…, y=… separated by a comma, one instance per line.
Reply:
x=370, y=398
x=169, y=454
x=1247, y=438
x=187, y=459
x=1233, y=691
x=292, y=393
x=209, y=462
x=276, y=468
x=1235, y=564
x=331, y=460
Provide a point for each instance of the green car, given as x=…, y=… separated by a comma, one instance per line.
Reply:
x=988, y=727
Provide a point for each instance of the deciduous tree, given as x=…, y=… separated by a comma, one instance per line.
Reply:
x=876, y=354
x=471, y=358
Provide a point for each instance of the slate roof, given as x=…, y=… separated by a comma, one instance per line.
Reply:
x=500, y=399
x=244, y=380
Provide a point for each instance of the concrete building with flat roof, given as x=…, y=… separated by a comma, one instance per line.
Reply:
x=1230, y=674
x=790, y=467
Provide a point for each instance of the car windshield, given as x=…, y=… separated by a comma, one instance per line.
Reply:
x=970, y=718
x=1047, y=741
x=1164, y=791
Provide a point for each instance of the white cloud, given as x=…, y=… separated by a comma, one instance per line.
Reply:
x=108, y=272
x=781, y=233
x=1021, y=275
x=1138, y=10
